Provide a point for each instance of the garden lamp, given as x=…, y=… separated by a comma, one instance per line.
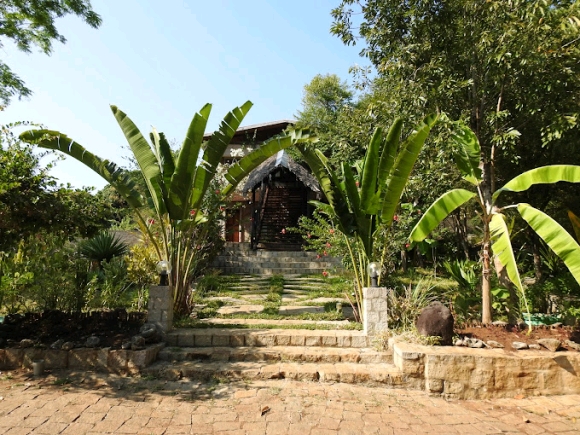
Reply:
x=163, y=269
x=373, y=270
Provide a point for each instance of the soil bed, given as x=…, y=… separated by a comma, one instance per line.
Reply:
x=506, y=335
x=112, y=327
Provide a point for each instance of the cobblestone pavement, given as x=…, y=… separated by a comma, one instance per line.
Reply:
x=73, y=403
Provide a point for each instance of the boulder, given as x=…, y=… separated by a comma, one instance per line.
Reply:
x=494, y=344
x=518, y=345
x=552, y=344
x=92, y=341
x=436, y=321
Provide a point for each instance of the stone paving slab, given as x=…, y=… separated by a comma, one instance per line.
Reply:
x=75, y=403
x=240, y=309
x=217, y=321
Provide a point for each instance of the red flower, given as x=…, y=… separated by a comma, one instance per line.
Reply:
x=283, y=231
x=327, y=245
x=309, y=235
x=318, y=256
x=325, y=274
x=407, y=245
x=222, y=208
x=150, y=221
x=418, y=211
x=396, y=218
x=192, y=212
x=217, y=192
x=325, y=253
x=331, y=231
x=357, y=183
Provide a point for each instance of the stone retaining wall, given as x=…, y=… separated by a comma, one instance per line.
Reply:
x=106, y=359
x=463, y=373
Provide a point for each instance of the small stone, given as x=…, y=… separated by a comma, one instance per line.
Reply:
x=534, y=346
x=499, y=323
x=68, y=345
x=495, y=344
x=57, y=345
x=137, y=342
x=556, y=325
x=126, y=345
x=459, y=342
x=92, y=341
x=518, y=345
x=474, y=343
x=572, y=345
x=148, y=330
x=552, y=344
x=26, y=343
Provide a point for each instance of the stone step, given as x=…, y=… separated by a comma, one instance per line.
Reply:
x=269, y=271
x=276, y=354
x=383, y=374
x=307, y=265
x=279, y=324
x=225, y=337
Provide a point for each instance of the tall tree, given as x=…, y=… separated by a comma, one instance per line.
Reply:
x=509, y=68
x=30, y=23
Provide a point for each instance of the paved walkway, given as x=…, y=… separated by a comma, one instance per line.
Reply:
x=69, y=403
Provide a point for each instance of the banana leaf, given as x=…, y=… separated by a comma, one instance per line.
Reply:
x=109, y=171
x=187, y=167
x=555, y=236
x=438, y=211
x=502, y=247
x=146, y=159
x=575, y=221
x=468, y=153
x=368, y=179
x=403, y=166
x=215, y=150
x=542, y=175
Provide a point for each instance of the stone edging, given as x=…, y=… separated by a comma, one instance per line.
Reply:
x=465, y=373
x=105, y=359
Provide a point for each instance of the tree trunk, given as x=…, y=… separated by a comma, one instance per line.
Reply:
x=486, y=316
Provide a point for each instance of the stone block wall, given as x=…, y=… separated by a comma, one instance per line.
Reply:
x=462, y=373
x=160, y=310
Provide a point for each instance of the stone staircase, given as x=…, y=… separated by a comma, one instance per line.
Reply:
x=238, y=258
x=242, y=354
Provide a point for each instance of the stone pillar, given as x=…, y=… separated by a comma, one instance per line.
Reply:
x=375, y=310
x=160, y=310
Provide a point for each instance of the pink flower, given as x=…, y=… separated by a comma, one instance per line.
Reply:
x=283, y=231
x=192, y=212
x=217, y=192
x=396, y=218
x=150, y=221
x=309, y=235
x=325, y=253
x=318, y=256
x=407, y=245
x=327, y=245
x=357, y=183
x=418, y=211
x=222, y=208
x=331, y=231
x=325, y=274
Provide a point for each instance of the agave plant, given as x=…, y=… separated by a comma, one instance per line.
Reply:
x=175, y=185
x=496, y=235
x=103, y=247
x=360, y=209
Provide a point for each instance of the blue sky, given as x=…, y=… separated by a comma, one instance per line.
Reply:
x=160, y=61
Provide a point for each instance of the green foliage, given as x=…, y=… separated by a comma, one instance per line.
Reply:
x=176, y=187
x=360, y=209
x=103, y=247
x=466, y=299
x=32, y=23
x=405, y=303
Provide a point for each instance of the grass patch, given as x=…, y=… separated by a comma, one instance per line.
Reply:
x=195, y=324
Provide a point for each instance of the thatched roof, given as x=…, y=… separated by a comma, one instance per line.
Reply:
x=281, y=159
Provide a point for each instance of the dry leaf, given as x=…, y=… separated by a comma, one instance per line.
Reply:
x=265, y=409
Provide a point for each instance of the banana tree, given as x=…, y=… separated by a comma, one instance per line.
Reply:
x=496, y=235
x=360, y=209
x=175, y=185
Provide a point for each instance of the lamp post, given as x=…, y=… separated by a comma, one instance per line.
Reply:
x=373, y=270
x=163, y=269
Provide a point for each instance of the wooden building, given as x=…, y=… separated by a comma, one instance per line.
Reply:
x=274, y=196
